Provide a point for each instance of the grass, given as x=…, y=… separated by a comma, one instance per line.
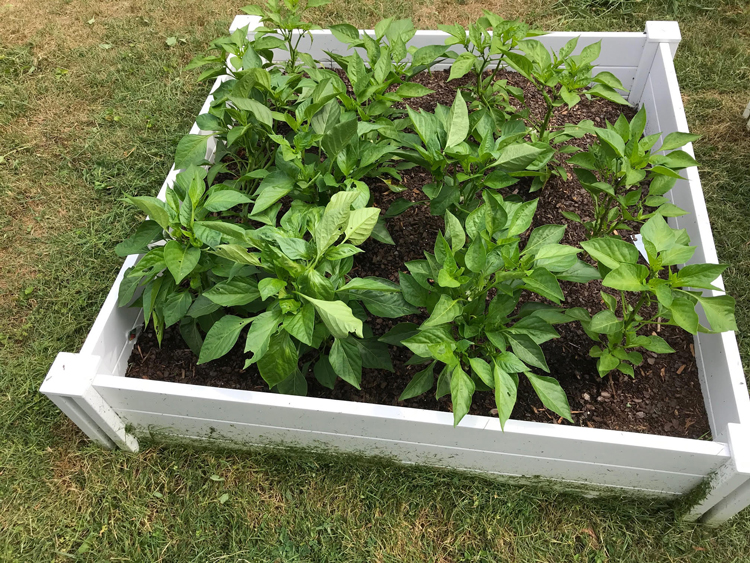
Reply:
x=92, y=103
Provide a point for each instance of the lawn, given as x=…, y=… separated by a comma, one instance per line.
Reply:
x=93, y=100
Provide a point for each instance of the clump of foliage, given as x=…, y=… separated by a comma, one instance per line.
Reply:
x=657, y=293
x=614, y=168
x=471, y=286
x=257, y=237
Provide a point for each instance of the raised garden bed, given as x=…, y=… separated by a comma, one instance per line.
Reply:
x=635, y=436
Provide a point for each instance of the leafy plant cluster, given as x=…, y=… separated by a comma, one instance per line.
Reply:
x=254, y=246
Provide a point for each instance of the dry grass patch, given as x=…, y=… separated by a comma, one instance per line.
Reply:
x=429, y=14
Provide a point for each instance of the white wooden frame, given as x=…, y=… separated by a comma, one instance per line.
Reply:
x=114, y=411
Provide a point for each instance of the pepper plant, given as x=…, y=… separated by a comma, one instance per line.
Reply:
x=486, y=45
x=650, y=295
x=303, y=303
x=382, y=80
x=462, y=168
x=614, y=169
x=471, y=286
x=178, y=265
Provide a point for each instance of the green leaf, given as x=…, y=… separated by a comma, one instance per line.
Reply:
x=699, y=276
x=602, y=91
x=268, y=287
x=387, y=305
x=295, y=384
x=338, y=137
x=324, y=372
x=654, y=344
x=175, y=307
x=420, y=343
x=462, y=65
x=280, y=360
x=260, y=111
x=609, y=79
x=180, y=261
x=683, y=313
x=346, y=361
x=677, y=139
x=191, y=150
x=360, y=225
x=483, y=371
x=506, y=391
x=259, y=335
x=454, y=232
x=398, y=333
x=678, y=160
x=412, y=90
x=344, y=32
x=541, y=236
x=420, y=383
x=611, y=251
x=476, y=256
x=399, y=206
x=552, y=395
x=273, y=187
x=138, y=242
x=659, y=233
x=224, y=199
x=527, y=350
x=337, y=316
x=342, y=251
x=522, y=218
x=556, y=257
x=510, y=363
x=336, y=215
x=612, y=139
x=444, y=312
x=374, y=354
x=545, y=284
x=458, y=121
x=191, y=335
x=518, y=156
x=605, y=322
x=221, y=338
x=233, y=293
x=155, y=208
x=301, y=324
x=375, y=284
x=127, y=289
x=462, y=390
x=627, y=277
x=719, y=311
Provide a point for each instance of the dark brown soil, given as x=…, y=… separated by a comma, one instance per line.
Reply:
x=664, y=398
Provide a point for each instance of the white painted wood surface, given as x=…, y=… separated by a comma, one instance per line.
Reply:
x=641, y=463
x=635, y=463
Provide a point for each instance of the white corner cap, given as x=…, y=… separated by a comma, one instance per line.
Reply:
x=663, y=32
x=244, y=21
x=739, y=444
x=70, y=375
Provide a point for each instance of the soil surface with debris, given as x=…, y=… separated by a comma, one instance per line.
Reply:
x=663, y=398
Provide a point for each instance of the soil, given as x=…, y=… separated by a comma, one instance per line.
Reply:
x=664, y=397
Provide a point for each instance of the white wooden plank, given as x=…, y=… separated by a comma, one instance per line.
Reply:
x=729, y=506
x=618, y=48
x=399, y=423
x=635, y=479
x=720, y=366
x=110, y=335
x=69, y=385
